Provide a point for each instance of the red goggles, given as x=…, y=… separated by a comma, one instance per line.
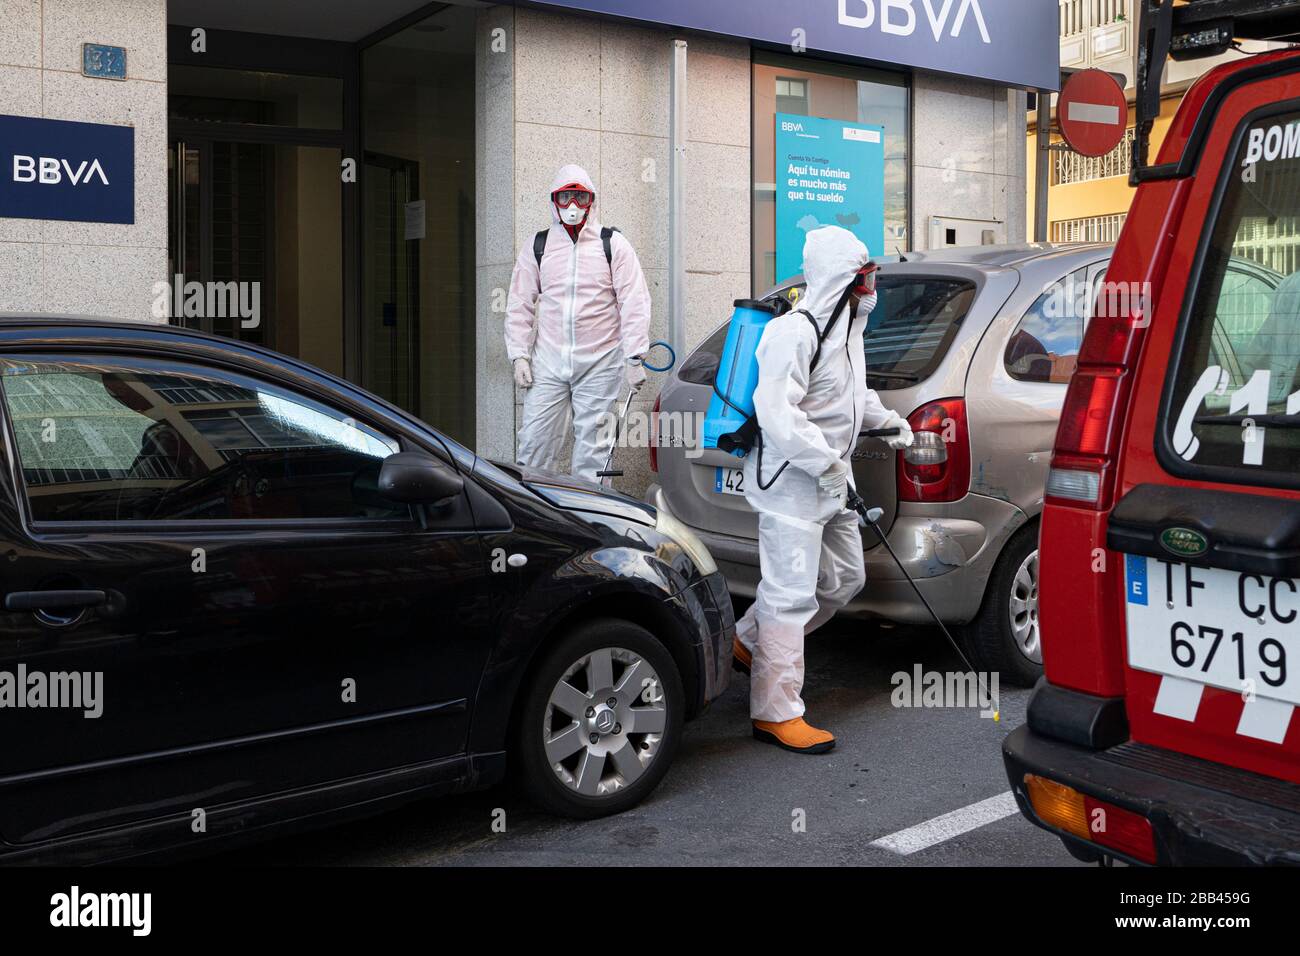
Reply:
x=865, y=281
x=569, y=196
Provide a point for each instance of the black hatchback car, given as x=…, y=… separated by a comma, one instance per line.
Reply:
x=241, y=595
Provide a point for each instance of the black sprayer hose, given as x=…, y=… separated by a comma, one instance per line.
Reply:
x=857, y=504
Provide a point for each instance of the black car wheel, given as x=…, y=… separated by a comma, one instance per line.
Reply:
x=601, y=720
x=1005, y=636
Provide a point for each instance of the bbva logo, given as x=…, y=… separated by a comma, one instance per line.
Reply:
x=49, y=171
x=898, y=17
x=790, y=127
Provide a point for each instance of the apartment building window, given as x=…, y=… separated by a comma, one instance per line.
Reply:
x=1089, y=229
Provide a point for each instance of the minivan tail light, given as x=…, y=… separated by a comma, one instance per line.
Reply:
x=937, y=466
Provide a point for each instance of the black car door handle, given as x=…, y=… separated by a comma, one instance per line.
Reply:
x=53, y=600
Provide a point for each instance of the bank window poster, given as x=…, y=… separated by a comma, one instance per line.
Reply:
x=828, y=173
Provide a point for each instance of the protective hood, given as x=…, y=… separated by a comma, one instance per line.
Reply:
x=831, y=257
x=571, y=174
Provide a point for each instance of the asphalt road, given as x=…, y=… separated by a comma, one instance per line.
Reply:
x=732, y=801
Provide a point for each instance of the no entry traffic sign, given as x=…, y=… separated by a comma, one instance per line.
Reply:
x=1092, y=112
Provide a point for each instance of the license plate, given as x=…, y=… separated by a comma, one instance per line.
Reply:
x=729, y=481
x=1211, y=626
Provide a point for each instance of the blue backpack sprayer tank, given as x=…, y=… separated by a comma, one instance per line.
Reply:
x=730, y=424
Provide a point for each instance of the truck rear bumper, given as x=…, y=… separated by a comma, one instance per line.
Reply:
x=1202, y=813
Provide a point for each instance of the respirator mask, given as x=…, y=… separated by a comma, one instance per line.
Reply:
x=572, y=203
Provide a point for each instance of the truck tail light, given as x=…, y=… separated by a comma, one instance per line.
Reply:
x=1087, y=439
x=937, y=466
x=654, y=438
x=1091, y=819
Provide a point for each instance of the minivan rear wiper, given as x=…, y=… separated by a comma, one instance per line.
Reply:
x=1264, y=421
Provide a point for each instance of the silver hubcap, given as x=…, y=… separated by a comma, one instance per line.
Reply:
x=1024, y=609
x=604, y=722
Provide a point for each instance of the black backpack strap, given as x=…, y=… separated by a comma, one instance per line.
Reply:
x=607, y=237
x=821, y=337
x=539, y=246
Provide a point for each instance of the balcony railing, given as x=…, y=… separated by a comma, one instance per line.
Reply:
x=1097, y=33
x=1091, y=229
x=1069, y=167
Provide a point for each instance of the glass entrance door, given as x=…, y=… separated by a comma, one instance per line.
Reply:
x=256, y=245
x=394, y=224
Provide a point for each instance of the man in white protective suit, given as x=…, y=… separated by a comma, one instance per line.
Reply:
x=811, y=402
x=577, y=328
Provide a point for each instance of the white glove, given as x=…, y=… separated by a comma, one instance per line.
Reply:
x=835, y=482
x=635, y=374
x=523, y=373
x=904, y=438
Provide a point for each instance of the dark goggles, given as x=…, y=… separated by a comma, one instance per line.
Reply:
x=865, y=281
x=573, y=197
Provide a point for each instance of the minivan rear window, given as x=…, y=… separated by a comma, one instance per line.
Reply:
x=912, y=326
x=1233, y=409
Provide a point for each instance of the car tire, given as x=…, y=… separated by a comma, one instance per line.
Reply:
x=587, y=775
x=1002, y=636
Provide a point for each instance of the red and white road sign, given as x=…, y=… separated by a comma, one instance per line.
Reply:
x=1092, y=112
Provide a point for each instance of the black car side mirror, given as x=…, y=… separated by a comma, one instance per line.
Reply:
x=413, y=478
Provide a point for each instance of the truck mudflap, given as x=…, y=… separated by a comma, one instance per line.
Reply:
x=1202, y=813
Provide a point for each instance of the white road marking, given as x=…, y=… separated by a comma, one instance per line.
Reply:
x=954, y=824
x=1093, y=113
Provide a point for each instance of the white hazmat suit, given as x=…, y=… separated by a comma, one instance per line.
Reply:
x=810, y=547
x=578, y=318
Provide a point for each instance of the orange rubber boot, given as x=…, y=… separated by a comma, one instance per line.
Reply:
x=741, y=659
x=794, y=735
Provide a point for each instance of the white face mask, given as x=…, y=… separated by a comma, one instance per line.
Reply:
x=866, y=305
x=572, y=215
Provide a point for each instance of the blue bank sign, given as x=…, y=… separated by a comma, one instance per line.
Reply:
x=828, y=173
x=1014, y=42
x=77, y=172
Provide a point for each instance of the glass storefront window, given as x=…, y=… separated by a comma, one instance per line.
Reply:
x=799, y=86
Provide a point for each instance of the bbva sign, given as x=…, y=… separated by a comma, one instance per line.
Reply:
x=899, y=17
x=50, y=171
x=61, y=170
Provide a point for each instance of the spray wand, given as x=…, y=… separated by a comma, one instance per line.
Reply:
x=870, y=517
